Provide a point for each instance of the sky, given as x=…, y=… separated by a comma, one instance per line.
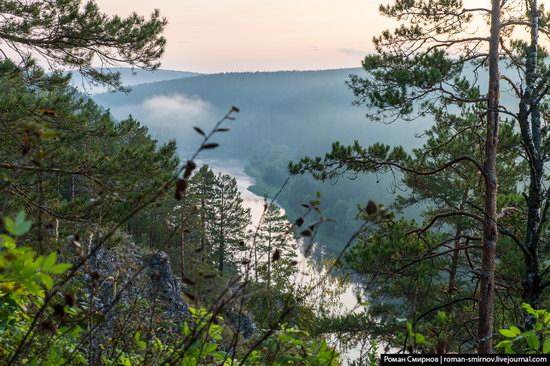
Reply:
x=264, y=35
x=259, y=35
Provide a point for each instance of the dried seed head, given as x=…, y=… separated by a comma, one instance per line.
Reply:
x=371, y=208
x=69, y=300
x=276, y=255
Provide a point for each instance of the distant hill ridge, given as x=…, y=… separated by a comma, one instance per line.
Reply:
x=305, y=110
x=131, y=77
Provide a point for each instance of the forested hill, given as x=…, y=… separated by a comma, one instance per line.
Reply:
x=132, y=77
x=305, y=110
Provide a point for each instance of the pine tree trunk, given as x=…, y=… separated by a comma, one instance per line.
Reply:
x=222, y=236
x=454, y=261
x=203, y=224
x=182, y=241
x=40, y=223
x=269, y=258
x=532, y=138
x=73, y=187
x=457, y=247
x=255, y=260
x=490, y=230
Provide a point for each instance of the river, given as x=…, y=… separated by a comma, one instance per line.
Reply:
x=310, y=271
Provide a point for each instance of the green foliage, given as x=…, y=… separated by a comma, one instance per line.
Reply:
x=22, y=273
x=275, y=249
x=73, y=159
x=214, y=221
x=73, y=34
x=18, y=227
x=227, y=230
x=201, y=335
x=431, y=254
x=416, y=338
x=25, y=278
x=405, y=77
x=534, y=340
x=290, y=346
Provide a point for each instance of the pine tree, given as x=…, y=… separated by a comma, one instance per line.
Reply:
x=441, y=258
x=193, y=217
x=77, y=35
x=227, y=230
x=428, y=64
x=70, y=161
x=202, y=186
x=276, y=248
x=53, y=127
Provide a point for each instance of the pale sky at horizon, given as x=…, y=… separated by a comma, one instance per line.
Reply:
x=261, y=35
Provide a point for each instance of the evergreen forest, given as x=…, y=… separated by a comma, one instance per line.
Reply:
x=325, y=217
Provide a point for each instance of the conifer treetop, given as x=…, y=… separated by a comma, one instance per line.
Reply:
x=72, y=34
